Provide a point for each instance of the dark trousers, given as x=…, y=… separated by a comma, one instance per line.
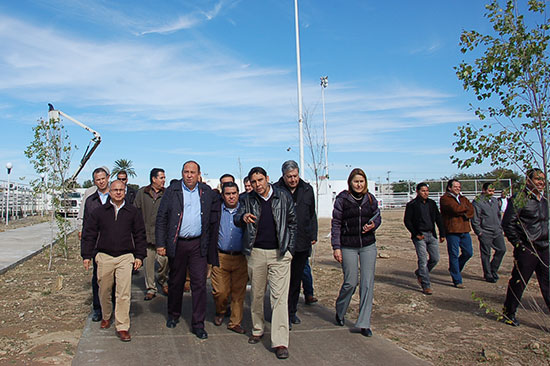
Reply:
x=95, y=288
x=487, y=243
x=188, y=257
x=307, y=280
x=526, y=262
x=296, y=272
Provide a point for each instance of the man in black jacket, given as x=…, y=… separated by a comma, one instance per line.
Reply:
x=130, y=192
x=182, y=232
x=306, y=234
x=268, y=219
x=421, y=216
x=525, y=224
x=114, y=234
x=97, y=199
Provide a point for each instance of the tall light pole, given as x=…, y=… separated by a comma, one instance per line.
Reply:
x=299, y=74
x=42, y=176
x=324, y=84
x=8, y=167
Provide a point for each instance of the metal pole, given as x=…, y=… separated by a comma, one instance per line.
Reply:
x=324, y=84
x=8, y=166
x=299, y=74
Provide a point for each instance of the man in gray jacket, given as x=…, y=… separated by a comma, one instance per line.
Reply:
x=147, y=200
x=486, y=225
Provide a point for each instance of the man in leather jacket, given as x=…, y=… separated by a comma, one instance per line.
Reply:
x=268, y=219
x=525, y=224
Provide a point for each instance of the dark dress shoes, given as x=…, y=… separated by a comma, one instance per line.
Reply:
x=295, y=320
x=310, y=299
x=149, y=296
x=171, y=323
x=200, y=333
x=218, y=319
x=366, y=332
x=237, y=329
x=281, y=352
x=96, y=316
x=124, y=335
x=254, y=339
x=339, y=321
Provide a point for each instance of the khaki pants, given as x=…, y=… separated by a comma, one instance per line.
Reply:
x=150, y=260
x=230, y=278
x=266, y=266
x=108, y=269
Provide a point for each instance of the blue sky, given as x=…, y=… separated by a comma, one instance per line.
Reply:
x=215, y=81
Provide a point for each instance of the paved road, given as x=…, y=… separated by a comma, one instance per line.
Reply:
x=317, y=341
x=18, y=245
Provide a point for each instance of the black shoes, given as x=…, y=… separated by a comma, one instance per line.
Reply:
x=339, y=321
x=281, y=352
x=255, y=339
x=511, y=320
x=491, y=280
x=96, y=316
x=366, y=332
x=171, y=323
x=200, y=333
x=294, y=319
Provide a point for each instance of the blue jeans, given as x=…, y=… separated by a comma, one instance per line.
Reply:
x=427, y=251
x=307, y=280
x=455, y=242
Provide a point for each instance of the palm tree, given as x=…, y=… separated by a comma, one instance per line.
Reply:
x=123, y=164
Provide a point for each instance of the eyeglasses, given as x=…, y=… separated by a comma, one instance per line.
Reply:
x=123, y=179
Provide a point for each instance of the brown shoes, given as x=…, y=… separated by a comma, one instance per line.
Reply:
x=105, y=324
x=281, y=352
x=310, y=299
x=427, y=291
x=255, y=339
x=149, y=296
x=459, y=285
x=124, y=335
x=186, y=287
x=218, y=319
x=237, y=329
x=165, y=290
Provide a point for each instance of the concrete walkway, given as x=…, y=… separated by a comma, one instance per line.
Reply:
x=317, y=341
x=18, y=245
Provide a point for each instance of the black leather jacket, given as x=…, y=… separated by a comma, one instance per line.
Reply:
x=528, y=224
x=283, y=214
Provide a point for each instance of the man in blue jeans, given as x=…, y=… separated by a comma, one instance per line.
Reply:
x=421, y=216
x=457, y=211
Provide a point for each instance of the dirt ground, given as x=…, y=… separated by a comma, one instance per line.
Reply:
x=42, y=313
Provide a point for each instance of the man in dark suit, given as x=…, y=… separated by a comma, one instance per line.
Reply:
x=97, y=199
x=182, y=233
x=130, y=192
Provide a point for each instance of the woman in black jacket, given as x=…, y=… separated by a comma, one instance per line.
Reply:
x=354, y=220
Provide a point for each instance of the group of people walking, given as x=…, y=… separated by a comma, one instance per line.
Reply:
x=523, y=219
x=265, y=235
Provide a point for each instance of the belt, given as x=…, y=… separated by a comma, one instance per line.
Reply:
x=230, y=252
x=188, y=239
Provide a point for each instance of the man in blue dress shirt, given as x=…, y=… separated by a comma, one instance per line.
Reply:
x=182, y=233
x=231, y=277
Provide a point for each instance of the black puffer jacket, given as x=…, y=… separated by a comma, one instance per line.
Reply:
x=528, y=224
x=348, y=218
x=305, y=214
x=284, y=216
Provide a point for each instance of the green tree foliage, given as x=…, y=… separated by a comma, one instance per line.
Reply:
x=87, y=183
x=50, y=153
x=510, y=77
x=403, y=186
x=123, y=164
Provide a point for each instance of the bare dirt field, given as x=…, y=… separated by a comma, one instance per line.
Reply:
x=42, y=313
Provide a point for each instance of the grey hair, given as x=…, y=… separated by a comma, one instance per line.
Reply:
x=289, y=165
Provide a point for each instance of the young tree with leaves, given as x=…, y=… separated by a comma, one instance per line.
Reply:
x=510, y=77
x=50, y=153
